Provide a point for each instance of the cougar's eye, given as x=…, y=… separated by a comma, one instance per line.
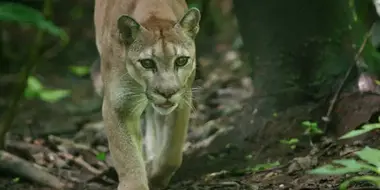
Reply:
x=147, y=63
x=181, y=61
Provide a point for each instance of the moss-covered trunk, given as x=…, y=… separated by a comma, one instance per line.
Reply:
x=299, y=50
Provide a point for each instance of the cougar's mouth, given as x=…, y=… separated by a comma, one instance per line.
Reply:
x=165, y=105
x=165, y=108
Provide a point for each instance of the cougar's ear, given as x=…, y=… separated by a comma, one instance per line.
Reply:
x=128, y=28
x=190, y=22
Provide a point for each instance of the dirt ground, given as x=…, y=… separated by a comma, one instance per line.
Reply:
x=222, y=152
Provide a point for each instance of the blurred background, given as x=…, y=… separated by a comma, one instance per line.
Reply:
x=275, y=79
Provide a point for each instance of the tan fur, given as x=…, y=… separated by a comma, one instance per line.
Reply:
x=127, y=33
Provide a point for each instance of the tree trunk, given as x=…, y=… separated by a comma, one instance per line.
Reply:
x=299, y=50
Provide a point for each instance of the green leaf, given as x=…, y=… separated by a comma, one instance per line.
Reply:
x=315, y=130
x=53, y=96
x=26, y=15
x=248, y=157
x=33, y=84
x=29, y=94
x=372, y=179
x=260, y=167
x=349, y=166
x=80, y=70
x=306, y=123
x=311, y=127
x=290, y=141
x=293, y=141
x=101, y=156
x=15, y=180
x=370, y=155
x=351, y=3
x=366, y=128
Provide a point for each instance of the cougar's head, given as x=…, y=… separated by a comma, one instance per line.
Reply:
x=160, y=57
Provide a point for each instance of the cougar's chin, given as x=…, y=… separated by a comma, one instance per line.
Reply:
x=165, y=108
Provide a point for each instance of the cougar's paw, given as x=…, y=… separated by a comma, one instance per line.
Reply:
x=159, y=177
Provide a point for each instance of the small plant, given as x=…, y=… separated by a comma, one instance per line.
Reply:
x=80, y=70
x=35, y=89
x=369, y=160
x=15, y=180
x=311, y=128
x=291, y=142
x=101, y=156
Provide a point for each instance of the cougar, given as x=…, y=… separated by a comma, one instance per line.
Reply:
x=147, y=64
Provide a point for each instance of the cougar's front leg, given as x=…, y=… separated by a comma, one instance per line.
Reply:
x=150, y=138
x=124, y=138
x=170, y=135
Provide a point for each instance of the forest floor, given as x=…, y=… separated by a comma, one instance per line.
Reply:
x=224, y=150
x=67, y=138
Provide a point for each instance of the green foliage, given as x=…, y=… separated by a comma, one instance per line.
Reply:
x=248, y=157
x=14, y=12
x=33, y=85
x=101, y=156
x=311, y=128
x=365, y=129
x=15, y=180
x=35, y=89
x=80, y=70
x=53, y=96
x=348, y=166
x=351, y=4
x=372, y=179
x=368, y=160
x=291, y=142
x=30, y=87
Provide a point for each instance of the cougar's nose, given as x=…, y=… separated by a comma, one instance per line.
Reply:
x=166, y=93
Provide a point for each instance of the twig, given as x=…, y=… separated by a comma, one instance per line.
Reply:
x=107, y=177
x=69, y=143
x=327, y=118
x=25, y=150
x=22, y=168
x=82, y=163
